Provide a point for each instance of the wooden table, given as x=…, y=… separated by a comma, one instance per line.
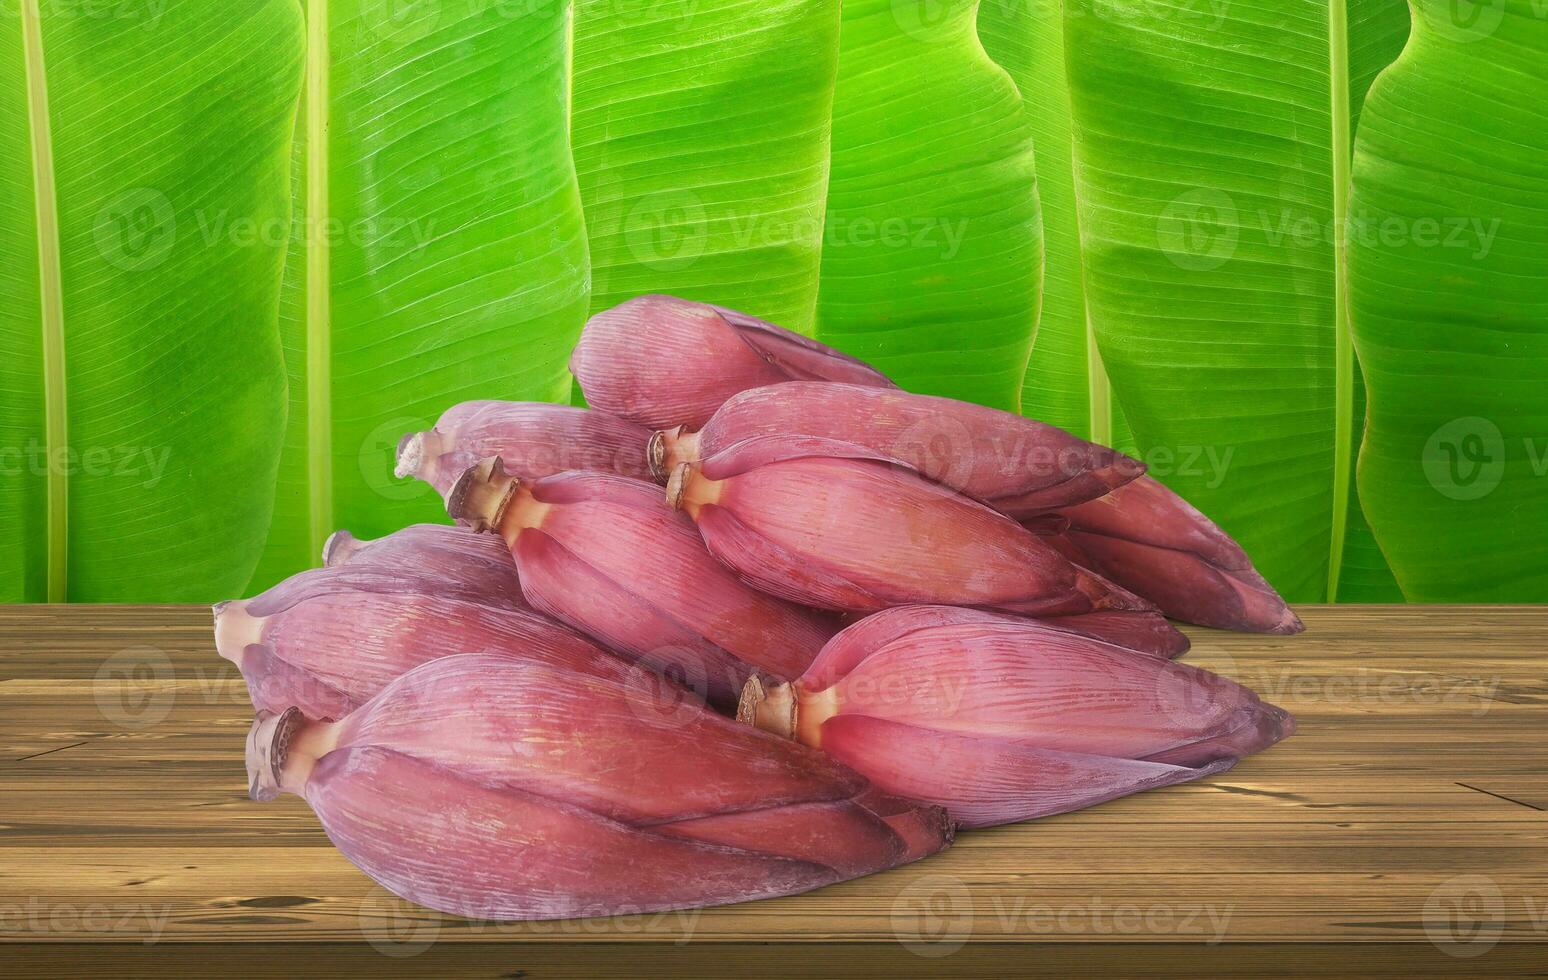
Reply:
x=1402, y=832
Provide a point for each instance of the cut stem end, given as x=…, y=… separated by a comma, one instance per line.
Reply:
x=770, y=707
x=481, y=495
x=282, y=751
x=340, y=547
x=669, y=449
x=655, y=457
x=235, y=629
x=688, y=489
x=413, y=450
x=268, y=748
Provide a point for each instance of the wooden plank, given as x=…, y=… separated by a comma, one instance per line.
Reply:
x=1401, y=831
x=667, y=961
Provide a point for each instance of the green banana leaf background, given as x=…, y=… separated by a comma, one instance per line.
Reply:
x=1288, y=252
x=144, y=216
x=1448, y=277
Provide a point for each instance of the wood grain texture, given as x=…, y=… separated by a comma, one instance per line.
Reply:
x=1408, y=816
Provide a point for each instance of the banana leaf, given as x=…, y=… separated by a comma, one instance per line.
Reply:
x=1066, y=384
x=458, y=263
x=1212, y=148
x=144, y=163
x=701, y=144
x=441, y=254
x=932, y=250
x=1449, y=302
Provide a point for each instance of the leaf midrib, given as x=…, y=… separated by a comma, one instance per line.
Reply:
x=50, y=304
x=319, y=306
x=1101, y=389
x=1343, y=346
